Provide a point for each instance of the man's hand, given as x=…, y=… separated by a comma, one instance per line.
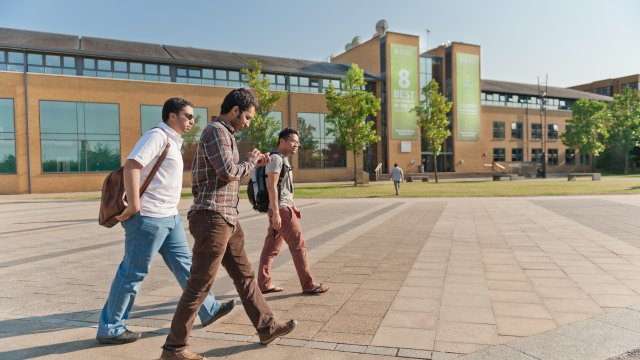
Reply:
x=276, y=221
x=264, y=160
x=128, y=212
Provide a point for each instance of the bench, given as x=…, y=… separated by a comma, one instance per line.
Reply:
x=499, y=177
x=417, y=178
x=573, y=176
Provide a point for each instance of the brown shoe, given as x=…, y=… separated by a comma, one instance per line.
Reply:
x=181, y=355
x=280, y=330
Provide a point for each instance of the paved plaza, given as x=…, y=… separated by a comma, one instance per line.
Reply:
x=463, y=278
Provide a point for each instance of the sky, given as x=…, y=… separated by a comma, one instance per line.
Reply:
x=570, y=42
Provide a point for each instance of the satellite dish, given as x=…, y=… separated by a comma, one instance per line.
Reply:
x=381, y=27
x=356, y=41
x=348, y=47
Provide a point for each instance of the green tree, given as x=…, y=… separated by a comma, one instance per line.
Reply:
x=432, y=119
x=264, y=128
x=349, y=109
x=587, y=129
x=624, y=122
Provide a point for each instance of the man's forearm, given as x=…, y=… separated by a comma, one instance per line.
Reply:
x=132, y=183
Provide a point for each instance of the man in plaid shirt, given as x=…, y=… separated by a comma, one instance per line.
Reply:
x=213, y=222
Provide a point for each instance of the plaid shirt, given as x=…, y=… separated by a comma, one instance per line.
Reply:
x=216, y=171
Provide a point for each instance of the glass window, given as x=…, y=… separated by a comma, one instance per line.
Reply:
x=536, y=131
x=120, y=66
x=207, y=73
x=15, y=57
x=537, y=155
x=234, y=75
x=552, y=131
x=104, y=65
x=552, y=156
x=53, y=60
x=192, y=138
x=165, y=70
x=135, y=67
x=498, y=154
x=516, y=130
x=7, y=137
x=150, y=116
x=151, y=69
x=570, y=156
x=69, y=62
x=79, y=137
x=90, y=64
x=15, y=61
x=498, y=129
x=517, y=154
x=34, y=59
x=318, y=149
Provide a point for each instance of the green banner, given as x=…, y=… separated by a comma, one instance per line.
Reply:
x=468, y=96
x=405, y=91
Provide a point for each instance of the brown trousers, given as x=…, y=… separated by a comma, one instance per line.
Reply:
x=291, y=233
x=216, y=242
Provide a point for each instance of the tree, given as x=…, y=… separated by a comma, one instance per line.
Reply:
x=586, y=130
x=624, y=122
x=264, y=128
x=349, y=109
x=432, y=119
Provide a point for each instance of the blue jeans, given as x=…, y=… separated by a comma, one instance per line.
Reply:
x=144, y=237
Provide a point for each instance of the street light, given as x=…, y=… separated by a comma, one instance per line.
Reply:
x=543, y=121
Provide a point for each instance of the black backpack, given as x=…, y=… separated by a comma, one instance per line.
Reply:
x=257, y=187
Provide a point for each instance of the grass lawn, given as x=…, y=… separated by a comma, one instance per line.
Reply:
x=467, y=188
x=610, y=185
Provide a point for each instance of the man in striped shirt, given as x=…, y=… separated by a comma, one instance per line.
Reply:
x=213, y=222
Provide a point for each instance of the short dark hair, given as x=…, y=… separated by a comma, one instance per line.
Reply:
x=174, y=105
x=286, y=132
x=396, y=164
x=242, y=98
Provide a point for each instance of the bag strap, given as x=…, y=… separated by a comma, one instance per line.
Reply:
x=156, y=166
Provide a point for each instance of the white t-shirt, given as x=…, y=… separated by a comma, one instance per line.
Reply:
x=163, y=194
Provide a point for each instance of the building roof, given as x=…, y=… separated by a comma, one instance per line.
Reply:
x=90, y=46
x=506, y=87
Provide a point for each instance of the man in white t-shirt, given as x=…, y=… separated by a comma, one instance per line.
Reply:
x=283, y=219
x=153, y=225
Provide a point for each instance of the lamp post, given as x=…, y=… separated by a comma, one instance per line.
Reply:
x=543, y=122
x=545, y=132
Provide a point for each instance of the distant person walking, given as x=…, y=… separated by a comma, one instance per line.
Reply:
x=153, y=225
x=397, y=176
x=283, y=219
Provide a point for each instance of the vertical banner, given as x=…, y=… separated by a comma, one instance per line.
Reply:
x=468, y=96
x=405, y=91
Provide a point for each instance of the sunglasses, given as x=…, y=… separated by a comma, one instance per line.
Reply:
x=187, y=115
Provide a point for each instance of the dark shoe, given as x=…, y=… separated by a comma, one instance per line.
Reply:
x=280, y=330
x=124, y=338
x=224, y=310
x=181, y=355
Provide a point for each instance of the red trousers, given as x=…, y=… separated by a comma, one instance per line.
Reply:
x=291, y=233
